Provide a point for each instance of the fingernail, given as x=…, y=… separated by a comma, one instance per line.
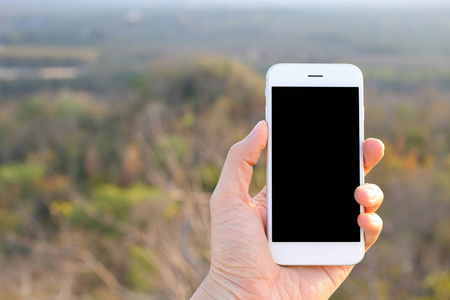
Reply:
x=374, y=220
x=371, y=193
x=255, y=129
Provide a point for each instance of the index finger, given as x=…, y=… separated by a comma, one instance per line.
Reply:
x=373, y=151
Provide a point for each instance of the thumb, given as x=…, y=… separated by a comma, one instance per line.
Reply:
x=238, y=168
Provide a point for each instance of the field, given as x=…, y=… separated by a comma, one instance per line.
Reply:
x=115, y=123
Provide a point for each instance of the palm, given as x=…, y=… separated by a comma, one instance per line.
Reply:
x=242, y=224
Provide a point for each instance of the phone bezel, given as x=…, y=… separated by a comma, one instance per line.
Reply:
x=333, y=75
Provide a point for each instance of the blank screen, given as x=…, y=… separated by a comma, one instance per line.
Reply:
x=315, y=164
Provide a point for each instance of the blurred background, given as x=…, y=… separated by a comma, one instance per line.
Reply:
x=116, y=117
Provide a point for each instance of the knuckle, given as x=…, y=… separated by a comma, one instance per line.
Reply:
x=234, y=150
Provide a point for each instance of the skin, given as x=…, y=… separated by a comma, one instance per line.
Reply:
x=241, y=263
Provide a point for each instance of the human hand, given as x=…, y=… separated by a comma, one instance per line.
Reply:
x=241, y=262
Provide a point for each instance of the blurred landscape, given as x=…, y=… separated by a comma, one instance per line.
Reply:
x=115, y=122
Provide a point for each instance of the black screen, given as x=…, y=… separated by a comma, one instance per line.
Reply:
x=315, y=164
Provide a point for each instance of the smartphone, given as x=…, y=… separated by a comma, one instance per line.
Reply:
x=315, y=114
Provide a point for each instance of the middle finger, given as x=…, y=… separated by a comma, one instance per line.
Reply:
x=370, y=196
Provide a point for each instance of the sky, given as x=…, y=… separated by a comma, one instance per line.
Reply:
x=228, y=3
x=309, y=2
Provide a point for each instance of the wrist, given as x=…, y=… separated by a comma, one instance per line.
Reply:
x=213, y=287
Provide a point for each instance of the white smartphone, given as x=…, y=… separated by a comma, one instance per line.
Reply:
x=315, y=115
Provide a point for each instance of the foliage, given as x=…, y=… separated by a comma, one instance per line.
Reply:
x=129, y=182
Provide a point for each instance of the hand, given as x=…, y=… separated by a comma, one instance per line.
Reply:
x=241, y=263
